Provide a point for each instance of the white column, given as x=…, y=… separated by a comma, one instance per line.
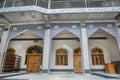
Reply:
x=85, y=50
x=3, y=46
x=46, y=51
x=49, y=4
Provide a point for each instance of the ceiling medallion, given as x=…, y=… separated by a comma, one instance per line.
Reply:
x=67, y=5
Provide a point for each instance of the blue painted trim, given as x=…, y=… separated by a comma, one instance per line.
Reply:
x=21, y=29
x=89, y=54
x=50, y=51
x=103, y=26
x=66, y=26
x=59, y=11
x=24, y=28
x=42, y=56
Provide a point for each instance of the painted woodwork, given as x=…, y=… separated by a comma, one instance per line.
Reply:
x=11, y=63
x=97, y=56
x=61, y=56
x=33, y=62
x=77, y=61
x=110, y=68
x=61, y=59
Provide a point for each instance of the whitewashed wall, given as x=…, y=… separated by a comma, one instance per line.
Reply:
x=119, y=30
x=109, y=46
x=67, y=44
x=21, y=46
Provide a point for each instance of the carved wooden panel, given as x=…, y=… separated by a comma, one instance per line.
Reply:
x=61, y=59
x=97, y=56
x=110, y=68
x=77, y=61
x=33, y=62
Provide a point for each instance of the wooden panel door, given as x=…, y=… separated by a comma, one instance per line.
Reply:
x=33, y=63
x=110, y=68
x=77, y=61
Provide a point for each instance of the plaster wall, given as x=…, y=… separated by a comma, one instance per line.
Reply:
x=21, y=46
x=67, y=44
x=109, y=46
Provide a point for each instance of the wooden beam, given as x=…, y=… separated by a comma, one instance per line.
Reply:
x=98, y=38
x=65, y=39
x=26, y=39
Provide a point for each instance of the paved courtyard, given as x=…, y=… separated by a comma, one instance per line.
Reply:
x=56, y=76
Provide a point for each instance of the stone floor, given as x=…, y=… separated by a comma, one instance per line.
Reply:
x=56, y=76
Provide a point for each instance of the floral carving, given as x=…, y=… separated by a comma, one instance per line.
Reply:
x=34, y=49
x=77, y=50
x=96, y=49
x=61, y=50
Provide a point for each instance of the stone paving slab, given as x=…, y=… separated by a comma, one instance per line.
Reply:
x=62, y=76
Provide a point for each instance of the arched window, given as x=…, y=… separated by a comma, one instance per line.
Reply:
x=34, y=50
x=61, y=56
x=97, y=56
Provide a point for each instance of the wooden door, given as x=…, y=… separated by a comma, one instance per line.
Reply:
x=77, y=61
x=33, y=62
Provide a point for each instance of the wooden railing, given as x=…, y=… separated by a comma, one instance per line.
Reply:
x=17, y=64
x=11, y=62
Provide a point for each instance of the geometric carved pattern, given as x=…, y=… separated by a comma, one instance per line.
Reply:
x=103, y=26
x=21, y=28
x=96, y=50
x=65, y=26
x=67, y=5
x=68, y=26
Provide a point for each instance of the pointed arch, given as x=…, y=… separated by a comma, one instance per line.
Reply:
x=105, y=30
x=56, y=32
x=18, y=33
x=111, y=31
x=14, y=34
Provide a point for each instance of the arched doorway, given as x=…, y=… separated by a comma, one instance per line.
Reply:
x=65, y=41
x=22, y=41
x=77, y=60
x=34, y=58
x=106, y=45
